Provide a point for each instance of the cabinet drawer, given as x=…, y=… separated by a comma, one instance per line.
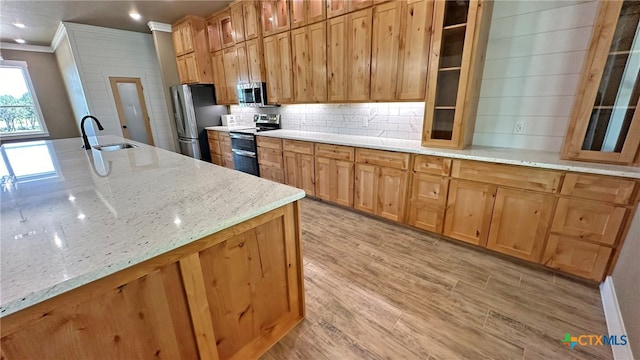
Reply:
x=383, y=158
x=588, y=220
x=335, y=152
x=270, y=157
x=272, y=174
x=270, y=143
x=212, y=135
x=601, y=188
x=508, y=175
x=426, y=216
x=432, y=165
x=214, y=147
x=576, y=257
x=429, y=188
x=300, y=147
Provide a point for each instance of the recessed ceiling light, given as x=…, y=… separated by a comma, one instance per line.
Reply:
x=20, y=41
x=19, y=25
x=135, y=16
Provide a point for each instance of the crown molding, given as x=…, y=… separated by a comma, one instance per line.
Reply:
x=25, y=47
x=158, y=26
x=61, y=32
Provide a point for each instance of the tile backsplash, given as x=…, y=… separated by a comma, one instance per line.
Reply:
x=390, y=120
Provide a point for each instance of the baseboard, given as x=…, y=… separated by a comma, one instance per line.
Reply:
x=615, y=324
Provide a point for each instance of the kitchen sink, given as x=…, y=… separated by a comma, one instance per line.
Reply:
x=114, y=147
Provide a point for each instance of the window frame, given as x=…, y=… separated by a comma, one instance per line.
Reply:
x=27, y=78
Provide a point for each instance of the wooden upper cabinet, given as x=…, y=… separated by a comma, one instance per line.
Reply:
x=604, y=125
x=190, y=45
x=349, y=57
x=456, y=62
x=251, y=11
x=219, y=79
x=242, y=64
x=226, y=29
x=237, y=21
x=278, y=66
x=384, y=50
x=230, y=60
x=309, y=63
x=214, y=34
x=255, y=60
x=275, y=16
x=305, y=12
x=520, y=223
x=181, y=34
x=413, y=57
x=469, y=208
x=336, y=8
x=354, y=5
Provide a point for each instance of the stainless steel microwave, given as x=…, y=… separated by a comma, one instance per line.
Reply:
x=252, y=94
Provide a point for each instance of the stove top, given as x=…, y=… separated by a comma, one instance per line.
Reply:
x=264, y=122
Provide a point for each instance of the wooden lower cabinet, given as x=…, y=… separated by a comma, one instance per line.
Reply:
x=216, y=159
x=520, y=223
x=209, y=299
x=381, y=191
x=577, y=257
x=270, y=159
x=589, y=220
x=469, y=208
x=426, y=216
x=299, y=171
x=430, y=188
x=272, y=173
x=334, y=180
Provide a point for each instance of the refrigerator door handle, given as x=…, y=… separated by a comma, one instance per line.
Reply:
x=178, y=113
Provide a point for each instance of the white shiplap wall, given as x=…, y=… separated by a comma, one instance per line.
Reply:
x=101, y=53
x=534, y=59
x=390, y=120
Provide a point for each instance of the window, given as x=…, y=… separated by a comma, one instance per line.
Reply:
x=20, y=115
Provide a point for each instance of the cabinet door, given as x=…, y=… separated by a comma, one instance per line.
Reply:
x=392, y=192
x=183, y=74
x=413, y=57
x=317, y=47
x=576, y=257
x=192, y=67
x=306, y=179
x=384, y=50
x=336, y=8
x=426, y=216
x=251, y=19
x=286, y=68
x=282, y=15
x=359, y=55
x=298, y=13
x=291, y=172
x=366, y=184
x=268, y=17
x=227, y=160
x=187, y=38
x=214, y=34
x=469, y=209
x=429, y=188
x=272, y=68
x=231, y=74
x=337, y=37
x=520, y=223
x=255, y=61
x=219, y=78
x=301, y=70
x=226, y=29
x=359, y=4
x=242, y=63
x=237, y=22
x=342, y=182
x=176, y=37
x=323, y=178
x=588, y=220
x=272, y=174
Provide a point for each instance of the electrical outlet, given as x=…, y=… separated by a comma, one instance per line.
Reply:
x=519, y=127
x=365, y=122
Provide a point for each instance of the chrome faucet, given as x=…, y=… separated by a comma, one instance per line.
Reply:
x=86, y=145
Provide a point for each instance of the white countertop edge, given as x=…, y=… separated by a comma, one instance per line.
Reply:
x=575, y=166
x=76, y=282
x=223, y=128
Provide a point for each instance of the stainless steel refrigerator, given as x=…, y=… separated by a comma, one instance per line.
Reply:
x=194, y=108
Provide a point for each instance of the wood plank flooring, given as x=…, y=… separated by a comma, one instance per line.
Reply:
x=377, y=290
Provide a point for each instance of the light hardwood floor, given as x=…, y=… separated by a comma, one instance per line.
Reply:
x=376, y=290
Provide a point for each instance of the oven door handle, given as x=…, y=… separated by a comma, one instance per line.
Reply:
x=244, y=153
x=241, y=136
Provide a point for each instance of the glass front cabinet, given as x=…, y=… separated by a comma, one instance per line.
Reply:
x=605, y=126
x=458, y=45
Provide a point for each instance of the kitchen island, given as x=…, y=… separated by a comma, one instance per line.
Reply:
x=143, y=253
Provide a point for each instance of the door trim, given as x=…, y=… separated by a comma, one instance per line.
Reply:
x=116, y=97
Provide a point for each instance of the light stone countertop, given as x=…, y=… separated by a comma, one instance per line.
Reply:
x=229, y=128
x=81, y=216
x=533, y=158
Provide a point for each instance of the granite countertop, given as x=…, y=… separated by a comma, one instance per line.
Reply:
x=229, y=128
x=76, y=216
x=533, y=158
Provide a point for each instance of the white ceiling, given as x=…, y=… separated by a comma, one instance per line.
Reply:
x=42, y=17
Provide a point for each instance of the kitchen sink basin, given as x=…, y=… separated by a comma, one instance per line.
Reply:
x=114, y=147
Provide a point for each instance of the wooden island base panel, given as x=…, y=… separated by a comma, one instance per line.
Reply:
x=230, y=295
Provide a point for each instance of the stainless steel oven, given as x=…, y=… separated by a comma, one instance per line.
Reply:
x=245, y=157
x=252, y=94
